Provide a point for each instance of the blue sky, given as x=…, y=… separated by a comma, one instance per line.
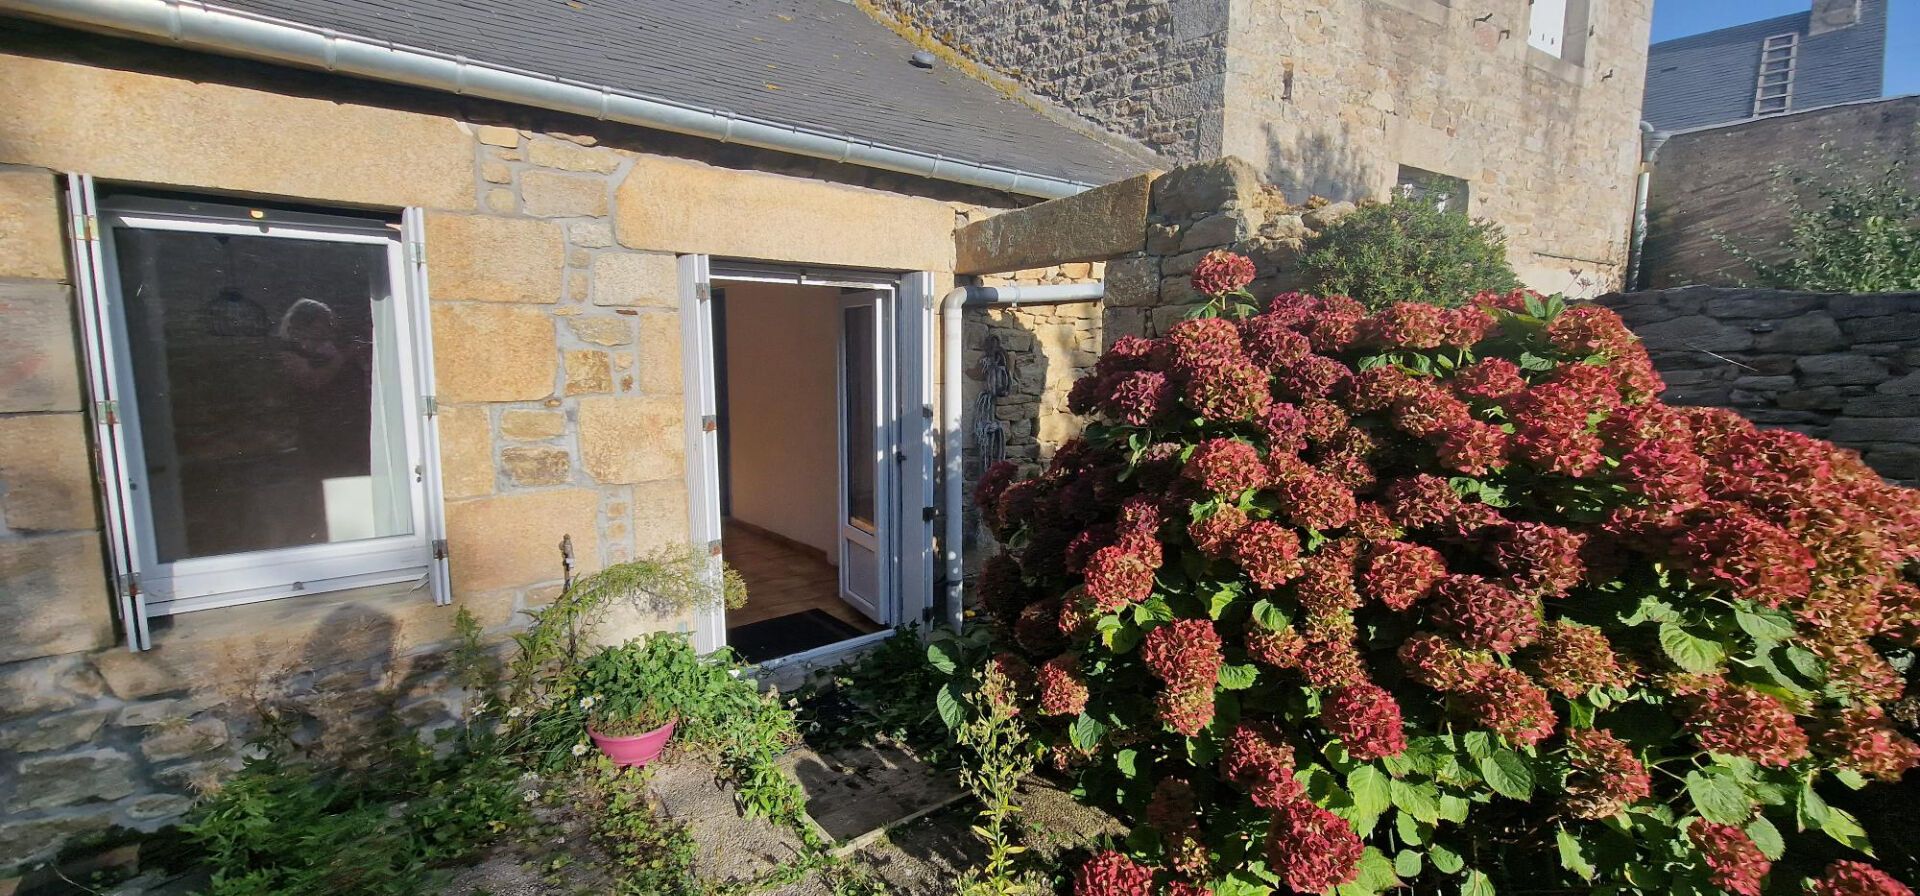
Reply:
x=1679, y=18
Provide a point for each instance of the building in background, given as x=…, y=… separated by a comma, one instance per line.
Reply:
x=1833, y=53
x=1528, y=111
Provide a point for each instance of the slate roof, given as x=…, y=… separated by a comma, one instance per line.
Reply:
x=820, y=64
x=1709, y=79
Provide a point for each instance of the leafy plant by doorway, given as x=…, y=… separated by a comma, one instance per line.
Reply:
x=1408, y=250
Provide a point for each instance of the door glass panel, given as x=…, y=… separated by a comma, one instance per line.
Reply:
x=267, y=380
x=858, y=401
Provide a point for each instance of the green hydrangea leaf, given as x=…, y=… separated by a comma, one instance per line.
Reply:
x=1573, y=856
x=1689, y=651
x=1445, y=860
x=1508, y=774
x=1238, y=677
x=1719, y=798
x=1371, y=790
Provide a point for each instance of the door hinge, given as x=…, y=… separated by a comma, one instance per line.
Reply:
x=709, y=423
x=108, y=412
x=926, y=514
x=416, y=252
x=713, y=547
x=439, y=549
x=429, y=405
x=86, y=228
x=703, y=292
x=130, y=585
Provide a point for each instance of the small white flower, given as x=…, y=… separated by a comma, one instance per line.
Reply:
x=579, y=749
x=586, y=702
x=515, y=712
x=531, y=796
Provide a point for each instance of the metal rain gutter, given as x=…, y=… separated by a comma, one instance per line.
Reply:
x=953, y=448
x=198, y=26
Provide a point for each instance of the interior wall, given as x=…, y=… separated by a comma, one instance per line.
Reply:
x=782, y=417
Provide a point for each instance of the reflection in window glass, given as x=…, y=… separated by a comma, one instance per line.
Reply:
x=266, y=377
x=859, y=414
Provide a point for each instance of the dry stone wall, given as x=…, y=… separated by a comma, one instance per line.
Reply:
x=1840, y=367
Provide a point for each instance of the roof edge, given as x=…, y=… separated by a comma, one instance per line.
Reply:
x=201, y=26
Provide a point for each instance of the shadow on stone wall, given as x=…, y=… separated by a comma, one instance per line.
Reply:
x=1317, y=164
x=1840, y=367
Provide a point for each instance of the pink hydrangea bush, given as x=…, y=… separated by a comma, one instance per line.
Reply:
x=1438, y=596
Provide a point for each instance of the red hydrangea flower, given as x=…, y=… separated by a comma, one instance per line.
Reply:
x=1002, y=591
x=1366, y=719
x=1062, y=691
x=1285, y=428
x=1227, y=392
x=1184, y=653
x=993, y=481
x=1865, y=741
x=1109, y=873
x=1467, y=326
x=1271, y=342
x=1279, y=649
x=1038, y=629
x=1313, y=500
x=1422, y=501
x=1551, y=432
x=1269, y=552
x=1734, y=863
x=1174, y=812
x=1539, y=558
x=1587, y=330
x=1483, y=614
x=1665, y=472
x=1330, y=662
x=1508, y=703
x=1220, y=272
x=1489, y=379
x=1214, y=534
x=1139, y=398
x=1741, y=721
x=1187, y=710
x=1325, y=585
x=1226, y=466
x=1415, y=325
x=1370, y=521
x=1335, y=323
x=1850, y=878
x=1605, y=777
x=1117, y=578
x=1324, y=421
x=1204, y=342
x=1443, y=665
x=1400, y=574
x=1429, y=410
x=1312, y=849
x=1257, y=757
x=1473, y=448
x=1313, y=376
x=1751, y=557
x=1376, y=389
x=1573, y=659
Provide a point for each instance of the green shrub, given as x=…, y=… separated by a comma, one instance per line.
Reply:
x=1407, y=250
x=1861, y=235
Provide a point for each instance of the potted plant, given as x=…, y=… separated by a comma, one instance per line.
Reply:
x=635, y=693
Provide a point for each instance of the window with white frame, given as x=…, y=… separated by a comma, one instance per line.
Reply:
x=1547, y=26
x=261, y=383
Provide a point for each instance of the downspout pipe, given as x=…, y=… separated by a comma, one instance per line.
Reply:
x=1650, y=143
x=953, y=433
x=198, y=26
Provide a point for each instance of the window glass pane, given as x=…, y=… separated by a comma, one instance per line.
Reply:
x=266, y=376
x=859, y=414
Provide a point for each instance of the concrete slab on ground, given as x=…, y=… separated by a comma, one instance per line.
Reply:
x=853, y=792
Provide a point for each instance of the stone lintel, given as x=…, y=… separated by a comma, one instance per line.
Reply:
x=1101, y=223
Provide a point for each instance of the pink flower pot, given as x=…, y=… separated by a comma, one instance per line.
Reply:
x=634, y=750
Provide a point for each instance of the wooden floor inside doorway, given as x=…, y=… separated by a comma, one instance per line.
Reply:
x=783, y=577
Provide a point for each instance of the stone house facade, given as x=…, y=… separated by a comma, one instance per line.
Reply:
x=556, y=251
x=1536, y=120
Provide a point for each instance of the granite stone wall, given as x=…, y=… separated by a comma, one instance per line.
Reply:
x=1840, y=367
x=1150, y=70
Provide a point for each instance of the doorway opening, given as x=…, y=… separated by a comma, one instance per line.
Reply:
x=801, y=377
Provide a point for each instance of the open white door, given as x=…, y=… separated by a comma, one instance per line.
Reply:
x=702, y=430
x=865, y=445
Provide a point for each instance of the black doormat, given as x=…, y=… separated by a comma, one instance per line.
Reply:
x=769, y=639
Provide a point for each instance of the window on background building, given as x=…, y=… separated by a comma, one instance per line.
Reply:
x=1448, y=194
x=1547, y=27
x=266, y=373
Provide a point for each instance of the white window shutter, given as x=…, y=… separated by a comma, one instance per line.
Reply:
x=110, y=447
x=414, y=233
